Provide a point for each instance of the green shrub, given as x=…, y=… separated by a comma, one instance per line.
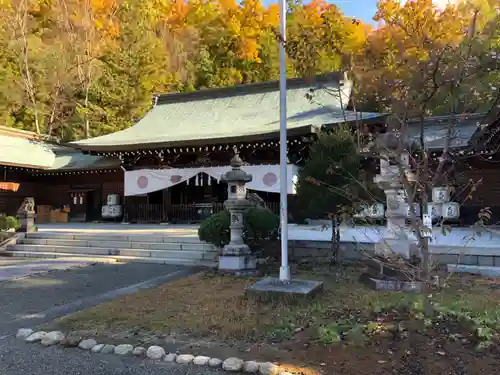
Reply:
x=8, y=222
x=261, y=225
x=215, y=229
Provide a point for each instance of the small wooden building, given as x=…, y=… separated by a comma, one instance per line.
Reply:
x=167, y=166
x=59, y=177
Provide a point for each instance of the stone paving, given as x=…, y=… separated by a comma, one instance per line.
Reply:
x=42, y=297
x=18, y=268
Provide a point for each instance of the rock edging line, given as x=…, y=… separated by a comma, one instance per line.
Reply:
x=154, y=352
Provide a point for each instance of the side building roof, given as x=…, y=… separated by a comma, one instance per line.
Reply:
x=23, y=149
x=461, y=132
x=232, y=114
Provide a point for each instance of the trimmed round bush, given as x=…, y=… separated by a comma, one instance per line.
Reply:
x=261, y=225
x=215, y=229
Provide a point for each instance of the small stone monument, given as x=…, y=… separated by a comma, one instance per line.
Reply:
x=386, y=269
x=236, y=255
x=26, y=215
x=395, y=238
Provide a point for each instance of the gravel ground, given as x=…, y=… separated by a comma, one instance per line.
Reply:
x=58, y=293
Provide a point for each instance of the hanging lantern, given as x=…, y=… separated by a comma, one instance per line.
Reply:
x=75, y=199
x=441, y=194
x=451, y=210
x=376, y=211
x=81, y=199
x=434, y=209
x=196, y=180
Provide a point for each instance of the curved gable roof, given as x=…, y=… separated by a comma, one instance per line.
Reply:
x=230, y=114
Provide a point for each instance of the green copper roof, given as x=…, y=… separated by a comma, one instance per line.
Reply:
x=23, y=152
x=436, y=130
x=32, y=153
x=68, y=158
x=228, y=114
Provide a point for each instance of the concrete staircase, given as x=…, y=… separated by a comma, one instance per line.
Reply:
x=102, y=247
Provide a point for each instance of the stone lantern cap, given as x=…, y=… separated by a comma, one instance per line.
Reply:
x=236, y=174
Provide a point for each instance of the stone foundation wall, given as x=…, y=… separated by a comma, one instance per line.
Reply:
x=470, y=260
x=318, y=251
x=351, y=252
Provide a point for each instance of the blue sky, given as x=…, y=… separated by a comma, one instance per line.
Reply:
x=362, y=9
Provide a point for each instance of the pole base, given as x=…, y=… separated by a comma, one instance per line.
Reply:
x=285, y=274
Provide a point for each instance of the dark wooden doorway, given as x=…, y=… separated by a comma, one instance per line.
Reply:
x=78, y=206
x=93, y=206
x=84, y=205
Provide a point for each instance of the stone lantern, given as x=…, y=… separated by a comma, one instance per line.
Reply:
x=236, y=256
x=395, y=238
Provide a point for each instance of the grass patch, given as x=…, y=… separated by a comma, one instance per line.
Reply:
x=349, y=327
x=215, y=306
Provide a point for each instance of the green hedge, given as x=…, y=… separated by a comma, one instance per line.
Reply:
x=8, y=222
x=261, y=224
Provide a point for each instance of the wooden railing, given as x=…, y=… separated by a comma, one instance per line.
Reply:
x=144, y=213
x=177, y=213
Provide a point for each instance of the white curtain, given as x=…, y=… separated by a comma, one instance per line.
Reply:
x=264, y=178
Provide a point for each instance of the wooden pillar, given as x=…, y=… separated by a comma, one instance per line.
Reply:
x=125, y=211
x=167, y=193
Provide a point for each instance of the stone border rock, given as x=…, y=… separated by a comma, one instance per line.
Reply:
x=154, y=352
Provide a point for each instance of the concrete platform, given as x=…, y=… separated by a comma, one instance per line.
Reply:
x=296, y=288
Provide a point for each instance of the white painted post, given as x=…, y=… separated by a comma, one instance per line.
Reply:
x=284, y=269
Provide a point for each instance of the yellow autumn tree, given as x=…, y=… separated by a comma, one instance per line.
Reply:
x=413, y=59
x=320, y=38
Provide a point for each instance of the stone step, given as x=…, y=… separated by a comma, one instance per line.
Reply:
x=110, y=259
x=486, y=271
x=115, y=244
x=199, y=254
x=114, y=237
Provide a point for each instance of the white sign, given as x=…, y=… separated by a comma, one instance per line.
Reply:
x=427, y=222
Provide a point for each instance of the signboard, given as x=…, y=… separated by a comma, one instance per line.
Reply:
x=9, y=186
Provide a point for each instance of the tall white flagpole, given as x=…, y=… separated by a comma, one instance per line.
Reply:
x=284, y=269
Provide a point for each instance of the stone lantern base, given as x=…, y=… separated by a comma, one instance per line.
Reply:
x=237, y=259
